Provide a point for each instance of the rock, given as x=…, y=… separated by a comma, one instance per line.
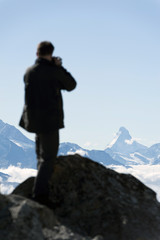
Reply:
x=21, y=218
x=90, y=202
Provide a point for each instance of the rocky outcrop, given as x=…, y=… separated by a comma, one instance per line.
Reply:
x=89, y=202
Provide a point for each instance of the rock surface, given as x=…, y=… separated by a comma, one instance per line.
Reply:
x=89, y=202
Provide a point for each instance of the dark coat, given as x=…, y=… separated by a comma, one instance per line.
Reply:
x=43, y=109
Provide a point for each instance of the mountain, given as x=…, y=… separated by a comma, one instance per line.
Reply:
x=96, y=155
x=15, y=148
x=127, y=151
x=124, y=143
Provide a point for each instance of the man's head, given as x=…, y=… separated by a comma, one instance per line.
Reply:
x=45, y=50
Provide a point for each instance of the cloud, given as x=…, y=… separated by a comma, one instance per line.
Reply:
x=134, y=140
x=18, y=174
x=6, y=188
x=80, y=152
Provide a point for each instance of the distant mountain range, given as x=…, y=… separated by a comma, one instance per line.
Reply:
x=127, y=151
x=17, y=150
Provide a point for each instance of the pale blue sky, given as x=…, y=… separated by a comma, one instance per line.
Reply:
x=111, y=47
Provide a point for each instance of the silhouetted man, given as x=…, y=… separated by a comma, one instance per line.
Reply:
x=43, y=112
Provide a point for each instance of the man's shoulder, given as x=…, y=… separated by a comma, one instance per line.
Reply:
x=31, y=68
x=41, y=67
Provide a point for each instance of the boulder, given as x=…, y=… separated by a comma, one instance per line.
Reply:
x=89, y=202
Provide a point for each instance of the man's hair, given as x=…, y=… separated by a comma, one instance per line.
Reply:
x=45, y=48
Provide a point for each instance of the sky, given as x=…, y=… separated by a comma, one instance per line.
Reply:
x=112, y=49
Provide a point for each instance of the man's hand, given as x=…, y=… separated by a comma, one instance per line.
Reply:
x=57, y=61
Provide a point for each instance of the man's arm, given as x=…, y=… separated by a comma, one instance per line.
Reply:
x=66, y=80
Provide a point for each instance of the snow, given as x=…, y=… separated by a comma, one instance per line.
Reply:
x=22, y=144
x=80, y=152
x=130, y=142
x=18, y=144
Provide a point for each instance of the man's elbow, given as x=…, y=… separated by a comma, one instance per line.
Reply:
x=72, y=86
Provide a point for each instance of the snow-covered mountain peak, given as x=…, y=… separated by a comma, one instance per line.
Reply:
x=123, y=143
x=122, y=136
x=124, y=133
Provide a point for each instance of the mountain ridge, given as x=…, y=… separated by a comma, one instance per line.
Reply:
x=16, y=149
x=128, y=151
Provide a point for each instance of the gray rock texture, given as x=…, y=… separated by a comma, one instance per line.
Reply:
x=89, y=202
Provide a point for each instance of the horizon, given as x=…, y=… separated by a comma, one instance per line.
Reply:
x=110, y=47
x=87, y=147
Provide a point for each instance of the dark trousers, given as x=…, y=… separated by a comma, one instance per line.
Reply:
x=46, y=149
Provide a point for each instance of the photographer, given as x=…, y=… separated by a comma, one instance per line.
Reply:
x=43, y=112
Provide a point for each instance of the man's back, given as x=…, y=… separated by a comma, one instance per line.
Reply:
x=42, y=85
x=43, y=101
